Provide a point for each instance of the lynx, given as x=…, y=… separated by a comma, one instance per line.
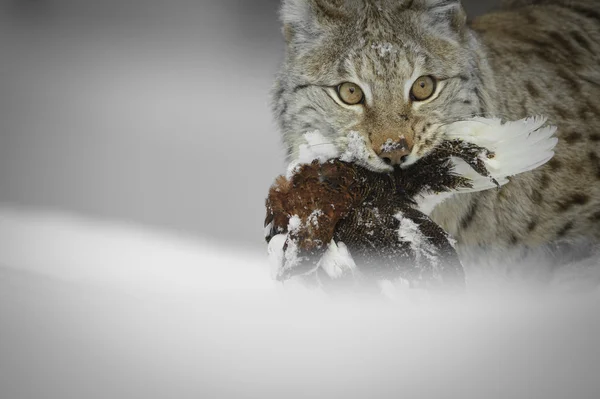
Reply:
x=400, y=71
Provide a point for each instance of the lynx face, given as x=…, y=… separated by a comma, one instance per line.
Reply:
x=396, y=72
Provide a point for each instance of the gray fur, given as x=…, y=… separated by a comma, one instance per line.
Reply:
x=377, y=45
x=535, y=57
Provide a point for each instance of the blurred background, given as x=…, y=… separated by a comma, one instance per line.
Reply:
x=149, y=112
x=149, y=122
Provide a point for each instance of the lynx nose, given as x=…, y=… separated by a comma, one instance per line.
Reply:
x=394, y=152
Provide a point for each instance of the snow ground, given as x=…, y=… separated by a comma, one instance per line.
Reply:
x=91, y=309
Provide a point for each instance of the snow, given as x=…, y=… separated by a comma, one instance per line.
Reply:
x=96, y=309
x=358, y=152
x=276, y=254
x=356, y=148
x=291, y=256
x=409, y=232
x=337, y=261
x=383, y=49
x=294, y=224
x=316, y=147
x=280, y=260
x=313, y=218
x=391, y=145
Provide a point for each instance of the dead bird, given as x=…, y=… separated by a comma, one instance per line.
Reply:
x=373, y=214
x=337, y=218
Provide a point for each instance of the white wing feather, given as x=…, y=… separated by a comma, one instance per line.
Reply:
x=519, y=146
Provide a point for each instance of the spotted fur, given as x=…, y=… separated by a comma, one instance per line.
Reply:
x=536, y=57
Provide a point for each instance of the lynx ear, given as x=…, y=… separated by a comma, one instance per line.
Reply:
x=442, y=14
x=306, y=18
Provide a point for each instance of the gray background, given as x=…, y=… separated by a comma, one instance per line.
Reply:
x=151, y=112
x=156, y=114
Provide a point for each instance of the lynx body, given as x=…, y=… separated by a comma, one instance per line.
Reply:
x=419, y=66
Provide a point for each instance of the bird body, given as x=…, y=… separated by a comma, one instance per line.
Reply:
x=334, y=219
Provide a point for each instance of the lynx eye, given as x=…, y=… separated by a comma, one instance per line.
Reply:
x=423, y=88
x=350, y=93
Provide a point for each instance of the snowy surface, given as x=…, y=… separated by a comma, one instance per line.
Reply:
x=91, y=309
